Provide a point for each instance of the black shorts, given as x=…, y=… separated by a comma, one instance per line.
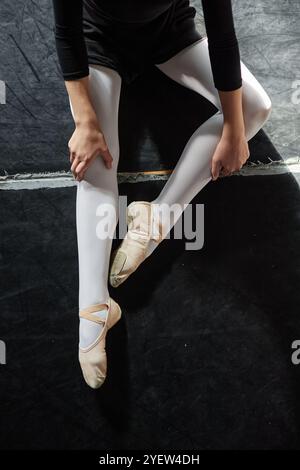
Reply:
x=129, y=48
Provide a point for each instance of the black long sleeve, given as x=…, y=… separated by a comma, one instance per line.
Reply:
x=69, y=39
x=218, y=16
x=222, y=44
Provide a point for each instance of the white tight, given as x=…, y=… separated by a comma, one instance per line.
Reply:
x=191, y=68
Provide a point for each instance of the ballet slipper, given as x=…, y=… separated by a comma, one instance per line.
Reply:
x=93, y=360
x=143, y=226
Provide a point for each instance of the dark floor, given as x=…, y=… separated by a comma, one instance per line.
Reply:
x=201, y=358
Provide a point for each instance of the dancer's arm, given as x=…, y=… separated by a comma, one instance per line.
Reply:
x=69, y=39
x=222, y=44
x=87, y=140
x=232, y=150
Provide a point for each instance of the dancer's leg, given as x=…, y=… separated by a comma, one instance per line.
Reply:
x=99, y=188
x=191, y=68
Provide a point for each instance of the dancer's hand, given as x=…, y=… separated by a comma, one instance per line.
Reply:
x=232, y=150
x=230, y=155
x=86, y=143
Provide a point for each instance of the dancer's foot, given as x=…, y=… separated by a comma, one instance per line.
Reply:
x=93, y=358
x=144, y=231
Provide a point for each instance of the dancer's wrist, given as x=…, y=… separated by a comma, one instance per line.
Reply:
x=233, y=130
x=87, y=121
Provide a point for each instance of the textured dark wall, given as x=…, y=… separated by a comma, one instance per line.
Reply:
x=35, y=123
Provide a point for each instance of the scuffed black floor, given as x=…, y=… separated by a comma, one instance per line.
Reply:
x=202, y=356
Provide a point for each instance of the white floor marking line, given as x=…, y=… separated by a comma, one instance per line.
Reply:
x=65, y=179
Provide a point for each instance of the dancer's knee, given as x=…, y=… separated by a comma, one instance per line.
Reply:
x=257, y=109
x=98, y=175
x=263, y=107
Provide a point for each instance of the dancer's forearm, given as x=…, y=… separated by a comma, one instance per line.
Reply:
x=231, y=102
x=87, y=141
x=84, y=113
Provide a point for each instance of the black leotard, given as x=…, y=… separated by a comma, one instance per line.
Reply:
x=77, y=24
